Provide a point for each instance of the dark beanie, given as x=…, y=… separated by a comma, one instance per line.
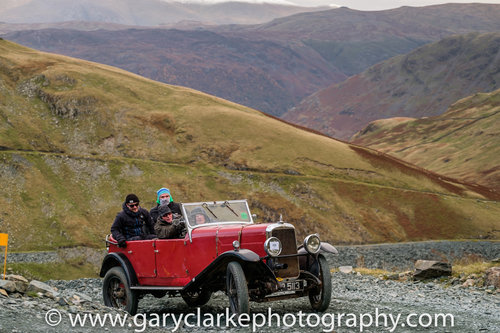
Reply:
x=163, y=210
x=131, y=198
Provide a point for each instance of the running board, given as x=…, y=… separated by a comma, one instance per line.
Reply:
x=277, y=297
x=156, y=288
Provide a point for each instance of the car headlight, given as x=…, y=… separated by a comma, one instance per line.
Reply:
x=312, y=244
x=273, y=246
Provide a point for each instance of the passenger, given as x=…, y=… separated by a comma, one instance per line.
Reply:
x=166, y=226
x=132, y=223
x=163, y=196
x=198, y=216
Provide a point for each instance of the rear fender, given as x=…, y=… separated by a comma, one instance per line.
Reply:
x=119, y=259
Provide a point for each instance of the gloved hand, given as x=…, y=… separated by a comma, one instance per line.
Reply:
x=178, y=224
x=122, y=244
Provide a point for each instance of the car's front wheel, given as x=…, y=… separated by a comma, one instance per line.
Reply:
x=320, y=296
x=237, y=289
x=117, y=293
x=197, y=298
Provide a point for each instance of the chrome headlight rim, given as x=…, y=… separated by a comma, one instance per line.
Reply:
x=309, y=241
x=269, y=246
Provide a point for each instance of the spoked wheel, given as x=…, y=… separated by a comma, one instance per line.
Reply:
x=320, y=296
x=237, y=289
x=117, y=293
x=197, y=298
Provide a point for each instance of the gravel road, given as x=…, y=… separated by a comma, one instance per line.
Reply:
x=358, y=298
x=398, y=256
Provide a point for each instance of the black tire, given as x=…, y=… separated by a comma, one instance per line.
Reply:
x=236, y=288
x=321, y=296
x=159, y=293
x=117, y=293
x=197, y=298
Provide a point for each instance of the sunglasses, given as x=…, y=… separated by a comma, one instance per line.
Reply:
x=167, y=214
x=132, y=205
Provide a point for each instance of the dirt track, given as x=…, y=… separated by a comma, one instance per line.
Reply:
x=358, y=298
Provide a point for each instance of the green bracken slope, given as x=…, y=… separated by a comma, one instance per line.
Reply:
x=76, y=137
x=462, y=143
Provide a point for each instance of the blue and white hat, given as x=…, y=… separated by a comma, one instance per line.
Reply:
x=162, y=191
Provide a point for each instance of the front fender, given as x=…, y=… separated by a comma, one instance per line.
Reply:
x=325, y=248
x=213, y=277
x=119, y=259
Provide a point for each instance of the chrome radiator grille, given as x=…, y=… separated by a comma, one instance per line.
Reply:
x=288, y=242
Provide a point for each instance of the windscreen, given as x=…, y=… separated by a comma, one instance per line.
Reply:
x=217, y=212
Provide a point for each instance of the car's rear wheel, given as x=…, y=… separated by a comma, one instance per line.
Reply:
x=117, y=293
x=320, y=296
x=197, y=298
x=237, y=289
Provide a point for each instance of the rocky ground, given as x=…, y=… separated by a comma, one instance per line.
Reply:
x=402, y=256
x=358, y=297
x=398, y=256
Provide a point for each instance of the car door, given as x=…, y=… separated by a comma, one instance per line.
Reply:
x=170, y=258
x=141, y=255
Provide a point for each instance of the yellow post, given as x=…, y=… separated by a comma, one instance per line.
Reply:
x=4, y=239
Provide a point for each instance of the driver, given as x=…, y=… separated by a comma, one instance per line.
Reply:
x=198, y=216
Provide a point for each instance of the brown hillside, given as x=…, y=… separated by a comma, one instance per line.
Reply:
x=422, y=83
x=462, y=143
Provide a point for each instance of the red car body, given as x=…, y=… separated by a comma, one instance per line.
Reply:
x=175, y=262
x=218, y=255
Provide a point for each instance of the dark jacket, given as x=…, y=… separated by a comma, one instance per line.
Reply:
x=130, y=225
x=174, y=207
x=176, y=229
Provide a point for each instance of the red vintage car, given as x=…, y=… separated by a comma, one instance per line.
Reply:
x=227, y=251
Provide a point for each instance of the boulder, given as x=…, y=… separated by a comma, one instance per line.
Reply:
x=20, y=282
x=45, y=289
x=345, y=269
x=21, y=286
x=12, y=277
x=82, y=297
x=8, y=286
x=469, y=283
x=429, y=269
x=493, y=277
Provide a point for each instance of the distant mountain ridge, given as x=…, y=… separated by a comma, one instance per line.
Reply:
x=273, y=66
x=420, y=84
x=145, y=12
x=463, y=142
x=353, y=40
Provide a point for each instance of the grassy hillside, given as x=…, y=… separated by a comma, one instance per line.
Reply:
x=422, y=83
x=461, y=143
x=76, y=137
